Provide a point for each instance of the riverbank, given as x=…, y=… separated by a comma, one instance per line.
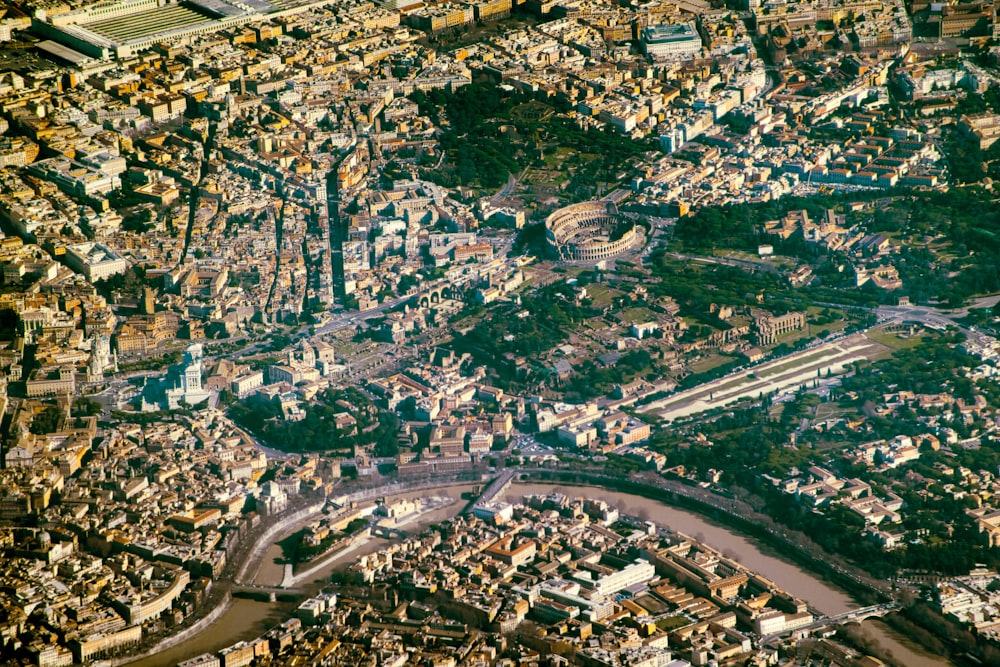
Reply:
x=272, y=534
x=754, y=555
x=293, y=578
x=243, y=619
x=246, y=619
x=735, y=513
x=754, y=552
x=260, y=544
x=802, y=550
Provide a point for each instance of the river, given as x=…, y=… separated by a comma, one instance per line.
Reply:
x=756, y=555
x=247, y=619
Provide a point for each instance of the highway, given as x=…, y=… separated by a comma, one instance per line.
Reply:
x=506, y=190
x=343, y=320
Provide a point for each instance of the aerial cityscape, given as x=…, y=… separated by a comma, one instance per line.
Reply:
x=500, y=333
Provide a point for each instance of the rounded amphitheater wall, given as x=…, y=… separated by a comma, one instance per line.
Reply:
x=583, y=232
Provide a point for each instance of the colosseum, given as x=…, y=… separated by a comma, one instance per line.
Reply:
x=589, y=231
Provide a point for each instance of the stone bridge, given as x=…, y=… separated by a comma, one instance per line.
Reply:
x=852, y=616
x=858, y=615
x=496, y=487
x=269, y=592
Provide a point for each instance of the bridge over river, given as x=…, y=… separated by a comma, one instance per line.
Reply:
x=271, y=593
x=495, y=488
x=851, y=616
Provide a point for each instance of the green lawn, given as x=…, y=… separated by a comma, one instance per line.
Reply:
x=602, y=295
x=894, y=342
x=637, y=314
x=706, y=364
x=672, y=623
x=556, y=158
x=831, y=410
x=830, y=445
x=595, y=324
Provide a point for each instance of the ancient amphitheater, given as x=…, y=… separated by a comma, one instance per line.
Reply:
x=589, y=231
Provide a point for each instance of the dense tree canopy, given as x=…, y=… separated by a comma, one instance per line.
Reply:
x=317, y=431
x=492, y=132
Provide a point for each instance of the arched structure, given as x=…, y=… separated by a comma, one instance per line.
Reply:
x=433, y=295
x=588, y=232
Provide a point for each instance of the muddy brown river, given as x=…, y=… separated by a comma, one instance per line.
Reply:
x=246, y=619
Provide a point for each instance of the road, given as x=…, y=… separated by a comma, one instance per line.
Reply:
x=343, y=320
x=937, y=315
x=940, y=318
x=507, y=190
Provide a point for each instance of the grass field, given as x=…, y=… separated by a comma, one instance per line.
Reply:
x=892, y=341
x=636, y=314
x=706, y=364
x=831, y=411
x=672, y=623
x=602, y=295
x=555, y=159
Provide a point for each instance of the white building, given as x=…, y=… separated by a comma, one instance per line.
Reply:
x=638, y=572
x=671, y=40
x=75, y=178
x=182, y=383
x=494, y=512
x=246, y=384
x=95, y=261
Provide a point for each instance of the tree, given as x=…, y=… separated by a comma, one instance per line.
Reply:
x=47, y=421
x=86, y=407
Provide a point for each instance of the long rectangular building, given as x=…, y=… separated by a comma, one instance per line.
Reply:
x=673, y=39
